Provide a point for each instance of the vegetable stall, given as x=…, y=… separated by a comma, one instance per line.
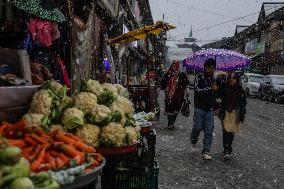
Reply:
x=64, y=139
x=144, y=94
x=64, y=133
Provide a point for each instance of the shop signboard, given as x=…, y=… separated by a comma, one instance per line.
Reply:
x=250, y=47
x=260, y=48
x=112, y=5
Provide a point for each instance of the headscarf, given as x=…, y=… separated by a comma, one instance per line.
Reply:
x=172, y=84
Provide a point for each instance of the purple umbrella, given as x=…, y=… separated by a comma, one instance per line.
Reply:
x=226, y=60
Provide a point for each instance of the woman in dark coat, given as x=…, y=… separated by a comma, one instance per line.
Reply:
x=232, y=112
x=175, y=83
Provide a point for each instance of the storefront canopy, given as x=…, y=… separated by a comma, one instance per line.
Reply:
x=142, y=33
x=40, y=8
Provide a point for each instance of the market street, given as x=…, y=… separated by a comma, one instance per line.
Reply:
x=258, y=152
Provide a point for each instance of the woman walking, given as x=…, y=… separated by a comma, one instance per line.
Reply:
x=232, y=112
x=175, y=83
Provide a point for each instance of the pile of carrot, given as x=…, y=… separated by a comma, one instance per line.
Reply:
x=44, y=151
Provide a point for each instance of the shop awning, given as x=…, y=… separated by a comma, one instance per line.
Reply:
x=142, y=33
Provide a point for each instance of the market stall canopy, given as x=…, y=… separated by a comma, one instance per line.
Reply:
x=142, y=33
x=43, y=9
x=226, y=60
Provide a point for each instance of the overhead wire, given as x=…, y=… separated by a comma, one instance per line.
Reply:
x=212, y=26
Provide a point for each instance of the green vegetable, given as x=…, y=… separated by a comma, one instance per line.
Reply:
x=106, y=98
x=12, y=172
x=73, y=123
x=111, y=117
x=10, y=155
x=22, y=183
x=43, y=180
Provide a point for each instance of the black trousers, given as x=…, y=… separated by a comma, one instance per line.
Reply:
x=228, y=138
x=172, y=119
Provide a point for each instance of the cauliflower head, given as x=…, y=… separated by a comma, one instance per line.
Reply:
x=34, y=120
x=109, y=87
x=123, y=119
x=56, y=127
x=94, y=87
x=67, y=101
x=123, y=104
x=56, y=88
x=131, y=135
x=72, y=118
x=85, y=101
x=121, y=90
x=113, y=135
x=89, y=134
x=100, y=112
x=41, y=103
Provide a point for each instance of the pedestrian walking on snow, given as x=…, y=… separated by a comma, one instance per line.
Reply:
x=176, y=85
x=204, y=101
x=232, y=111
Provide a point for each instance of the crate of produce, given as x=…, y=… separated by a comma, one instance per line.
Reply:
x=126, y=178
x=141, y=158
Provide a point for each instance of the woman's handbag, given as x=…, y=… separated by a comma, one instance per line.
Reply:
x=185, y=110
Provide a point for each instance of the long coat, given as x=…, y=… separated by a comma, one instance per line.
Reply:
x=174, y=105
x=242, y=103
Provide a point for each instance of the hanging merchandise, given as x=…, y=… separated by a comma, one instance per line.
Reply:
x=82, y=54
x=43, y=9
x=110, y=57
x=65, y=74
x=43, y=32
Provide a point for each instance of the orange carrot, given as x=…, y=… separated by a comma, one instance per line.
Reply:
x=27, y=151
x=30, y=141
x=34, y=153
x=38, y=139
x=43, y=135
x=50, y=160
x=59, y=163
x=79, y=145
x=73, y=137
x=64, y=158
x=37, y=162
x=61, y=137
x=3, y=128
x=19, y=143
x=54, y=154
x=69, y=150
x=6, y=123
x=79, y=159
x=44, y=167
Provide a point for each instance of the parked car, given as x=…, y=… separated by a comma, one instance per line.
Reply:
x=272, y=88
x=251, y=83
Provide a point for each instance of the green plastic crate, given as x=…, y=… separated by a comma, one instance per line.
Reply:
x=126, y=178
x=137, y=179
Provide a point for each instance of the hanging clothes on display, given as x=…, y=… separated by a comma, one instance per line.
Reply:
x=43, y=32
x=83, y=51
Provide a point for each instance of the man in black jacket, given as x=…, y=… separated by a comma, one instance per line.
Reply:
x=204, y=100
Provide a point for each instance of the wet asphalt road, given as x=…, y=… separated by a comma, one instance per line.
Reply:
x=258, y=153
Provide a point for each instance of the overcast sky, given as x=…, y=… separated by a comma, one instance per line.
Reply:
x=203, y=13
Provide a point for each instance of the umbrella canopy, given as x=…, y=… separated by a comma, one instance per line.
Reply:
x=40, y=8
x=142, y=33
x=226, y=60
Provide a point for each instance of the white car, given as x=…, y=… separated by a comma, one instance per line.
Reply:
x=251, y=83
